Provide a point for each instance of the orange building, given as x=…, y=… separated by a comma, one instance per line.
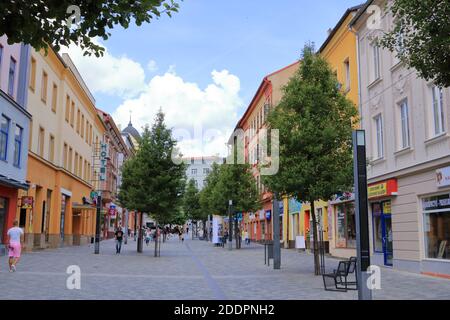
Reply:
x=63, y=132
x=259, y=224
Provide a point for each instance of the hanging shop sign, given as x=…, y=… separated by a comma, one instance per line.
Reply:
x=383, y=189
x=436, y=203
x=268, y=214
x=27, y=202
x=103, y=160
x=281, y=207
x=443, y=177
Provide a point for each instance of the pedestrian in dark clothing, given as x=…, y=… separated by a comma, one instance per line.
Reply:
x=119, y=239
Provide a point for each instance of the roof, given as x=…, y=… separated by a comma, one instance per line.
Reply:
x=132, y=131
x=262, y=86
x=361, y=11
x=339, y=24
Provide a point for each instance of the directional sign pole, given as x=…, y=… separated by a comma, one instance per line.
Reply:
x=361, y=213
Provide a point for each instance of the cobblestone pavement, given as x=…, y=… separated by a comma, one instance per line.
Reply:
x=189, y=271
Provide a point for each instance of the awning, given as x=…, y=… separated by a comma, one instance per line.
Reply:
x=11, y=183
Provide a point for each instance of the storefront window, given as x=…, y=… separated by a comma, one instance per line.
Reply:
x=437, y=227
x=377, y=227
x=345, y=226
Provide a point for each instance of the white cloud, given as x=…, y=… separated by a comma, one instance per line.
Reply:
x=204, y=118
x=152, y=66
x=115, y=76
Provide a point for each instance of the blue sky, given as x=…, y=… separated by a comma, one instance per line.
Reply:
x=244, y=39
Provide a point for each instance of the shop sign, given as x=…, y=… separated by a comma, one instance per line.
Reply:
x=281, y=206
x=294, y=206
x=268, y=214
x=382, y=189
x=27, y=202
x=436, y=203
x=103, y=160
x=261, y=215
x=387, y=207
x=443, y=177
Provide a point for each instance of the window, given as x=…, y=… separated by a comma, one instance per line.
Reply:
x=438, y=110
x=192, y=160
x=72, y=113
x=41, y=141
x=347, y=74
x=379, y=136
x=44, y=86
x=85, y=170
x=404, y=117
x=345, y=226
x=51, y=150
x=206, y=170
x=80, y=166
x=82, y=126
x=437, y=227
x=193, y=171
x=86, y=137
x=33, y=74
x=54, y=97
x=67, y=116
x=75, y=168
x=4, y=132
x=69, y=167
x=11, y=76
x=376, y=61
x=65, y=156
x=30, y=138
x=17, y=145
x=78, y=120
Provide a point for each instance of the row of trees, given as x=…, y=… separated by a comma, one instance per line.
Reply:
x=225, y=182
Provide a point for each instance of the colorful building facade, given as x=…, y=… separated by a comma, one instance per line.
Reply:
x=253, y=123
x=14, y=131
x=64, y=129
x=340, y=50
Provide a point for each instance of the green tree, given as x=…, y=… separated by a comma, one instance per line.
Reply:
x=151, y=181
x=40, y=23
x=191, y=203
x=314, y=119
x=421, y=37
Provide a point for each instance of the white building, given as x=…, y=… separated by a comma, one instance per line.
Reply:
x=199, y=167
x=407, y=123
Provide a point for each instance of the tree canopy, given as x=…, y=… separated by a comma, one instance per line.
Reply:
x=229, y=182
x=191, y=202
x=421, y=37
x=314, y=119
x=43, y=23
x=151, y=181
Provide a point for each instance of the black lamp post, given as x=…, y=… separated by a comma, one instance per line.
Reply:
x=230, y=224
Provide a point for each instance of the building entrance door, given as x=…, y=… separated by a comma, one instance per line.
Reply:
x=3, y=208
x=387, y=240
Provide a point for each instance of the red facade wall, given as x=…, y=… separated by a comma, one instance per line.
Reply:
x=11, y=194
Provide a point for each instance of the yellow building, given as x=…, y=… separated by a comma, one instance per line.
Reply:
x=64, y=130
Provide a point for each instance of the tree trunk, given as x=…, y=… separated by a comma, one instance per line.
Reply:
x=315, y=243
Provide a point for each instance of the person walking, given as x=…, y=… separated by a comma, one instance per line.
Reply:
x=247, y=239
x=147, y=237
x=14, y=245
x=119, y=239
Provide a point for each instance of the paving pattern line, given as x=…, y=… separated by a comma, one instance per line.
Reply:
x=218, y=292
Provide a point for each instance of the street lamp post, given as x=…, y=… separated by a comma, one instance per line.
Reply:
x=361, y=212
x=230, y=224
x=97, y=224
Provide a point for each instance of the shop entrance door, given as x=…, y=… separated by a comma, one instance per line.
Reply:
x=387, y=239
